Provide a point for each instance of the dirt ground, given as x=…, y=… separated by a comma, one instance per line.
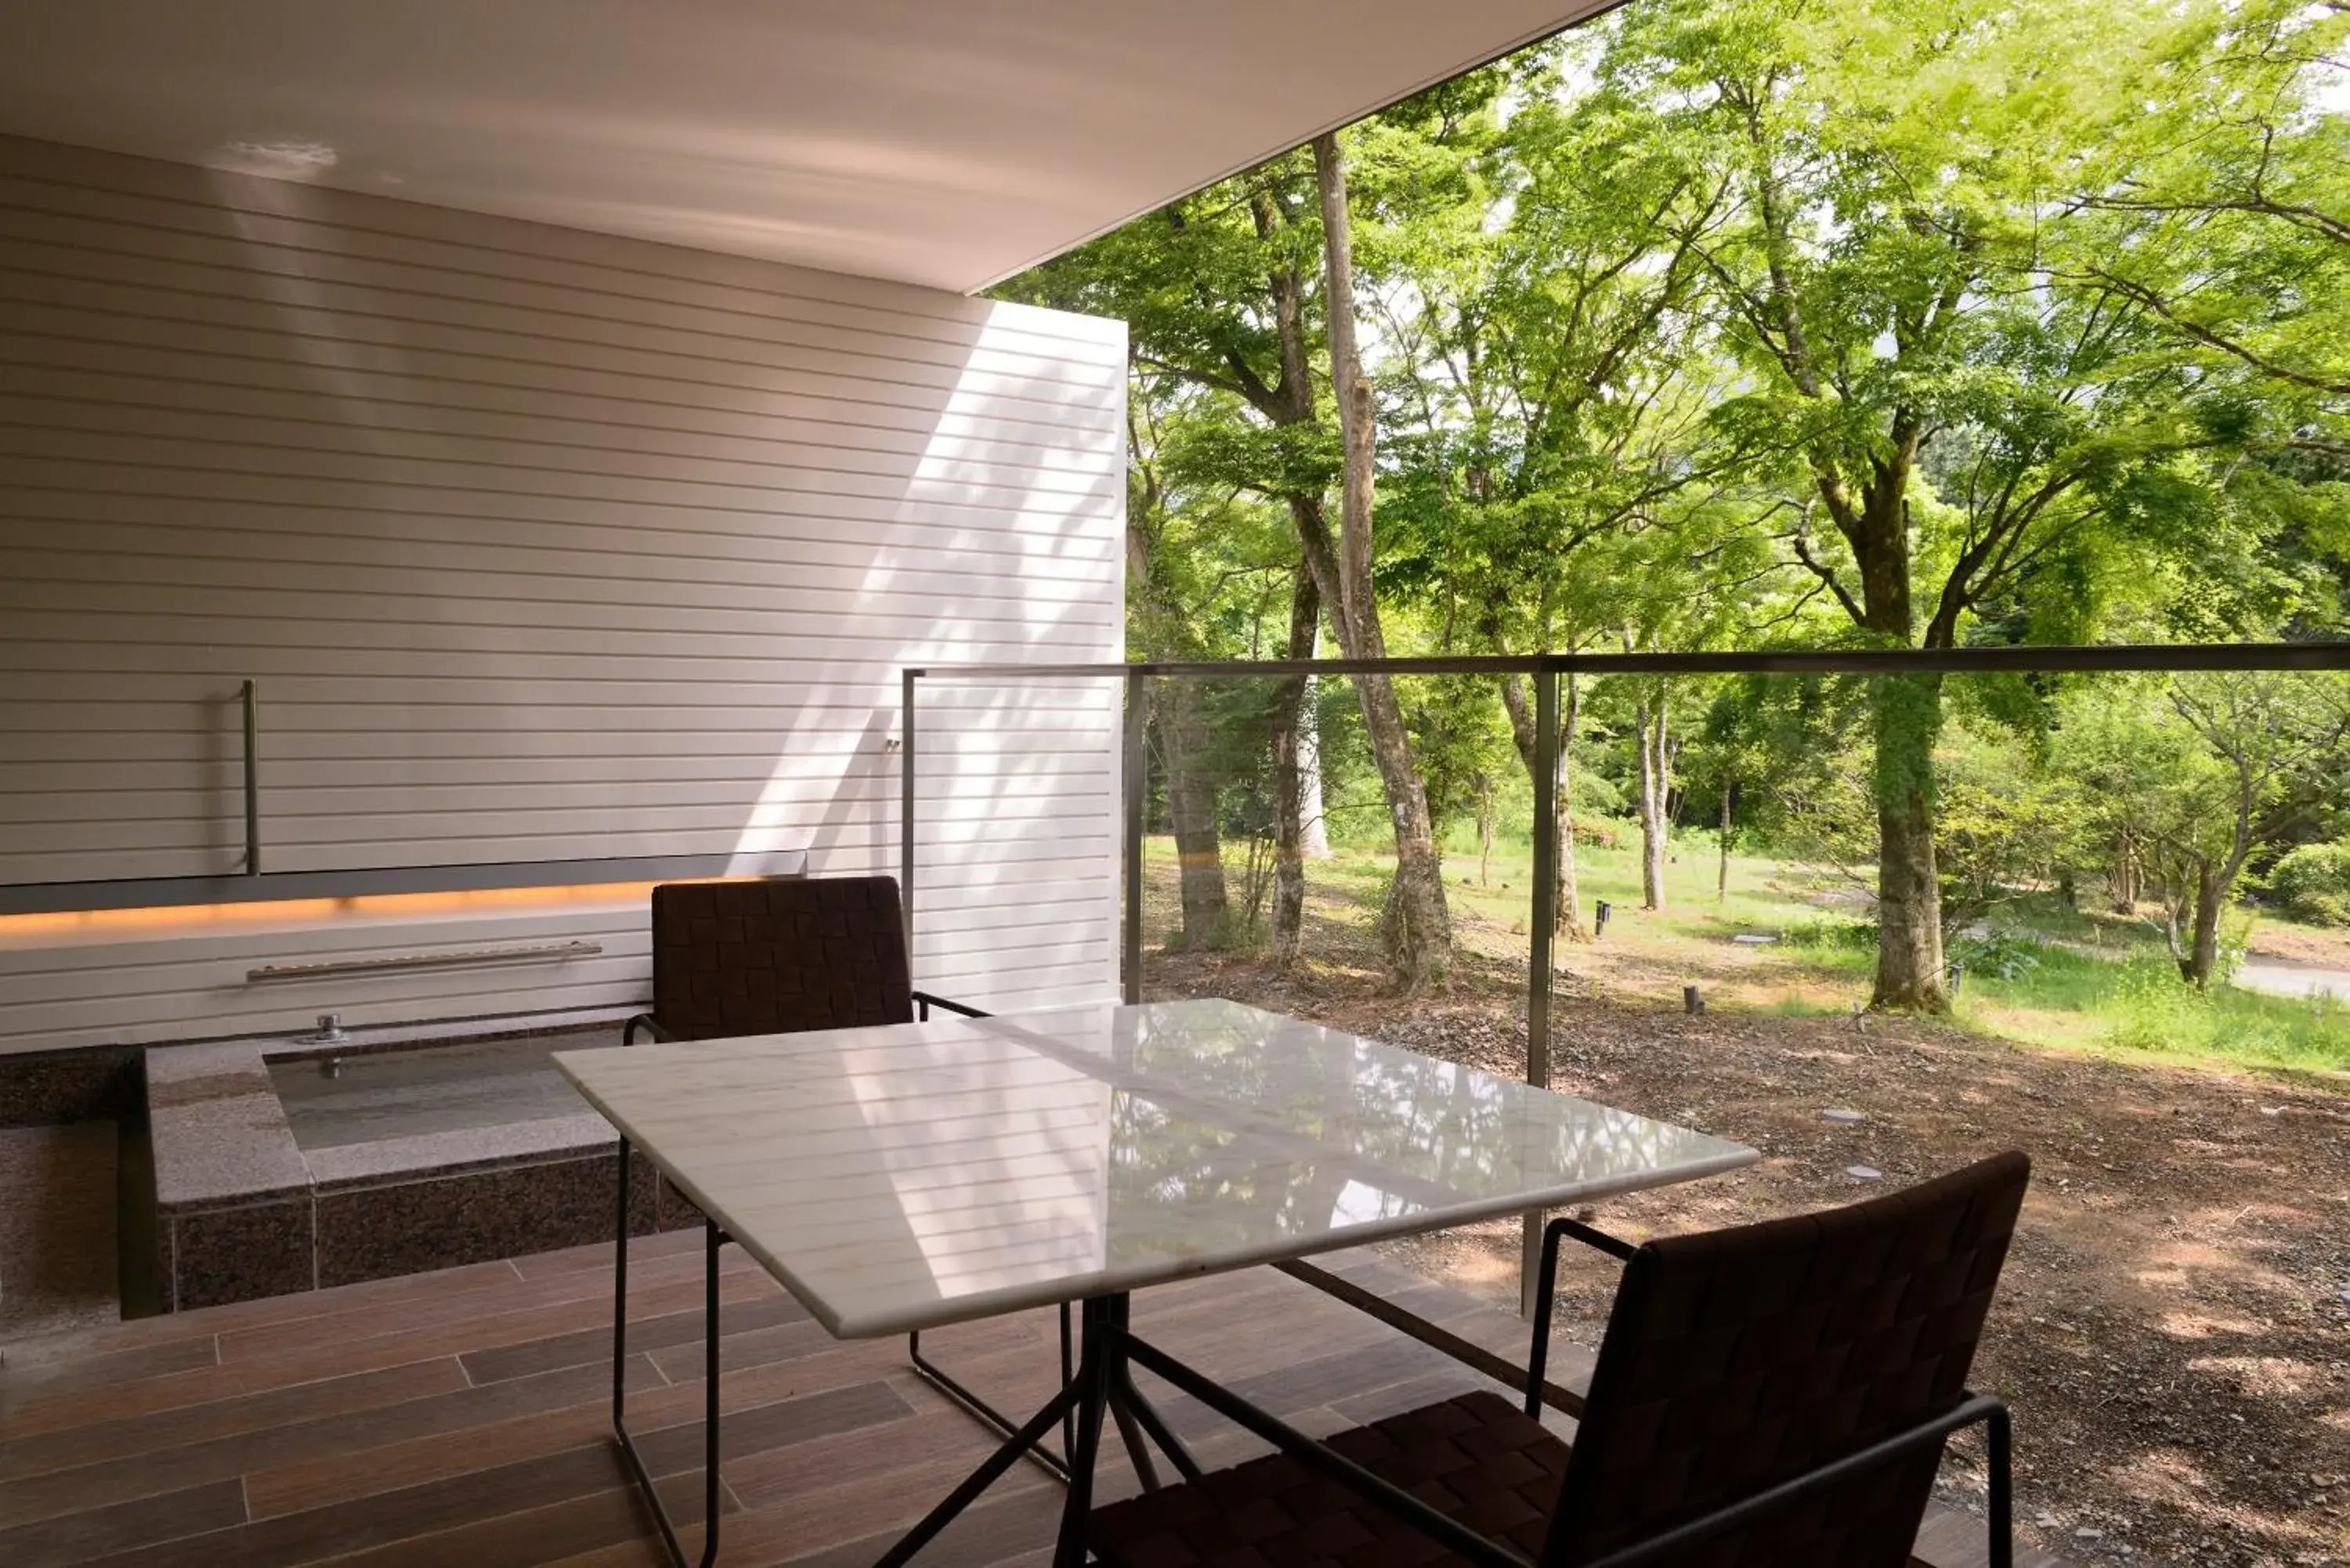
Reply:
x=2173, y=1328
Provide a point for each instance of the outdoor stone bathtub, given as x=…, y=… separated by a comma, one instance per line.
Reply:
x=244, y=1210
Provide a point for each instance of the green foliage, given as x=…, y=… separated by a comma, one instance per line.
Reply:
x=2003, y=823
x=1832, y=936
x=2002, y=953
x=2312, y=883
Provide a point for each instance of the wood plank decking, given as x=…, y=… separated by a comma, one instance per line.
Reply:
x=460, y=1417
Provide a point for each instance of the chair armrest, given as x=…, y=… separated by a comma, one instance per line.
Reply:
x=1546, y=1286
x=924, y=1002
x=649, y=1024
x=1614, y=1247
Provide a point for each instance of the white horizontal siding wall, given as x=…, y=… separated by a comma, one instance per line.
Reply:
x=540, y=545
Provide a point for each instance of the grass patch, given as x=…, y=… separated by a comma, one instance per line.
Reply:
x=2137, y=1006
x=2050, y=975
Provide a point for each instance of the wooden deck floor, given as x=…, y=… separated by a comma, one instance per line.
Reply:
x=459, y=1419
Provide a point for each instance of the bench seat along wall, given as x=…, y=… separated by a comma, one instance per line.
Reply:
x=541, y=545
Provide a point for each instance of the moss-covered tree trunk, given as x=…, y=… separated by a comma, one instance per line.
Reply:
x=2125, y=881
x=1908, y=712
x=2202, y=959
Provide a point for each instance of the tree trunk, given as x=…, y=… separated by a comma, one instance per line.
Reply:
x=1416, y=925
x=2202, y=959
x=1721, y=872
x=2125, y=882
x=1484, y=830
x=1292, y=821
x=1909, y=891
x=2215, y=881
x=1191, y=811
x=1653, y=786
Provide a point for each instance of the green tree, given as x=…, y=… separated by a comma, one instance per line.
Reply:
x=1204, y=562
x=1220, y=292
x=1548, y=374
x=2203, y=772
x=1947, y=425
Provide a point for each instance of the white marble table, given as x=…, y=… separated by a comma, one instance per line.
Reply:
x=901, y=1178
x=914, y=1175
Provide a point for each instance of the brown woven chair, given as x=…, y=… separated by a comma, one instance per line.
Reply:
x=788, y=955
x=779, y=957
x=1773, y=1394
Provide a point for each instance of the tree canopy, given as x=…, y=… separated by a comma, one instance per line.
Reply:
x=1743, y=323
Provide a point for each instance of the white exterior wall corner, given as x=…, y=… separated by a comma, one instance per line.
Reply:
x=541, y=545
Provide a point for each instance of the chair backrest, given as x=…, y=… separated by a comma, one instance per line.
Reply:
x=1738, y=1359
x=777, y=957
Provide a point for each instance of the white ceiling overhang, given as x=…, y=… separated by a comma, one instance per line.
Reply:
x=946, y=142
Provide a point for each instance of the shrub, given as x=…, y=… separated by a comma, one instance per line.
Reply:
x=2312, y=883
x=1999, y=953
x=2149, y=1007
x=1833, y=936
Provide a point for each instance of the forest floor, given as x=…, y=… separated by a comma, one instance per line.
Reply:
x=2173, y=1329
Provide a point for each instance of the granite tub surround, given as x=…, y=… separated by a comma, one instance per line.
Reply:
x=215, y=1256
x=52, y=1088
x=244, y=1211
x=221, y=1137
x=907, y=1176
x=372, y=1231
x=58, y=1257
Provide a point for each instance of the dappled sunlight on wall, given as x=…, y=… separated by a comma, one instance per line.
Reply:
x=1017, y=845
x=1018, y=497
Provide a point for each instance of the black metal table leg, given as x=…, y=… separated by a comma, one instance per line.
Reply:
x=715, y=1238
x=1126, y=1403
x=1099, y=1348
x=1080, y=1407
x=1002, y=1426
x=1125, y=1396
x=979, y=1480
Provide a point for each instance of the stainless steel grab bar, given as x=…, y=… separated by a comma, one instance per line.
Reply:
x=399, y=961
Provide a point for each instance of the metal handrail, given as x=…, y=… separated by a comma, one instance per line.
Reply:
x=1546, y=670
x=2056, y=659
x=401, y=961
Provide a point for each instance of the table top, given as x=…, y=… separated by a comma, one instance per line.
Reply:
x=913, y=1175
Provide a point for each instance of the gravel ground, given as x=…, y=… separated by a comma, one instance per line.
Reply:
x=2173, y=1328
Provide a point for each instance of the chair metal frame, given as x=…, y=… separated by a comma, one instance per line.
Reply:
x=1971, y=1410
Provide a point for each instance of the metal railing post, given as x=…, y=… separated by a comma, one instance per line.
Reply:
x=252, y=778
x=1130, y=837
x=1542, y=932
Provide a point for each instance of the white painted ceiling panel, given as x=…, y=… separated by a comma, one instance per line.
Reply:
x=946, y=142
